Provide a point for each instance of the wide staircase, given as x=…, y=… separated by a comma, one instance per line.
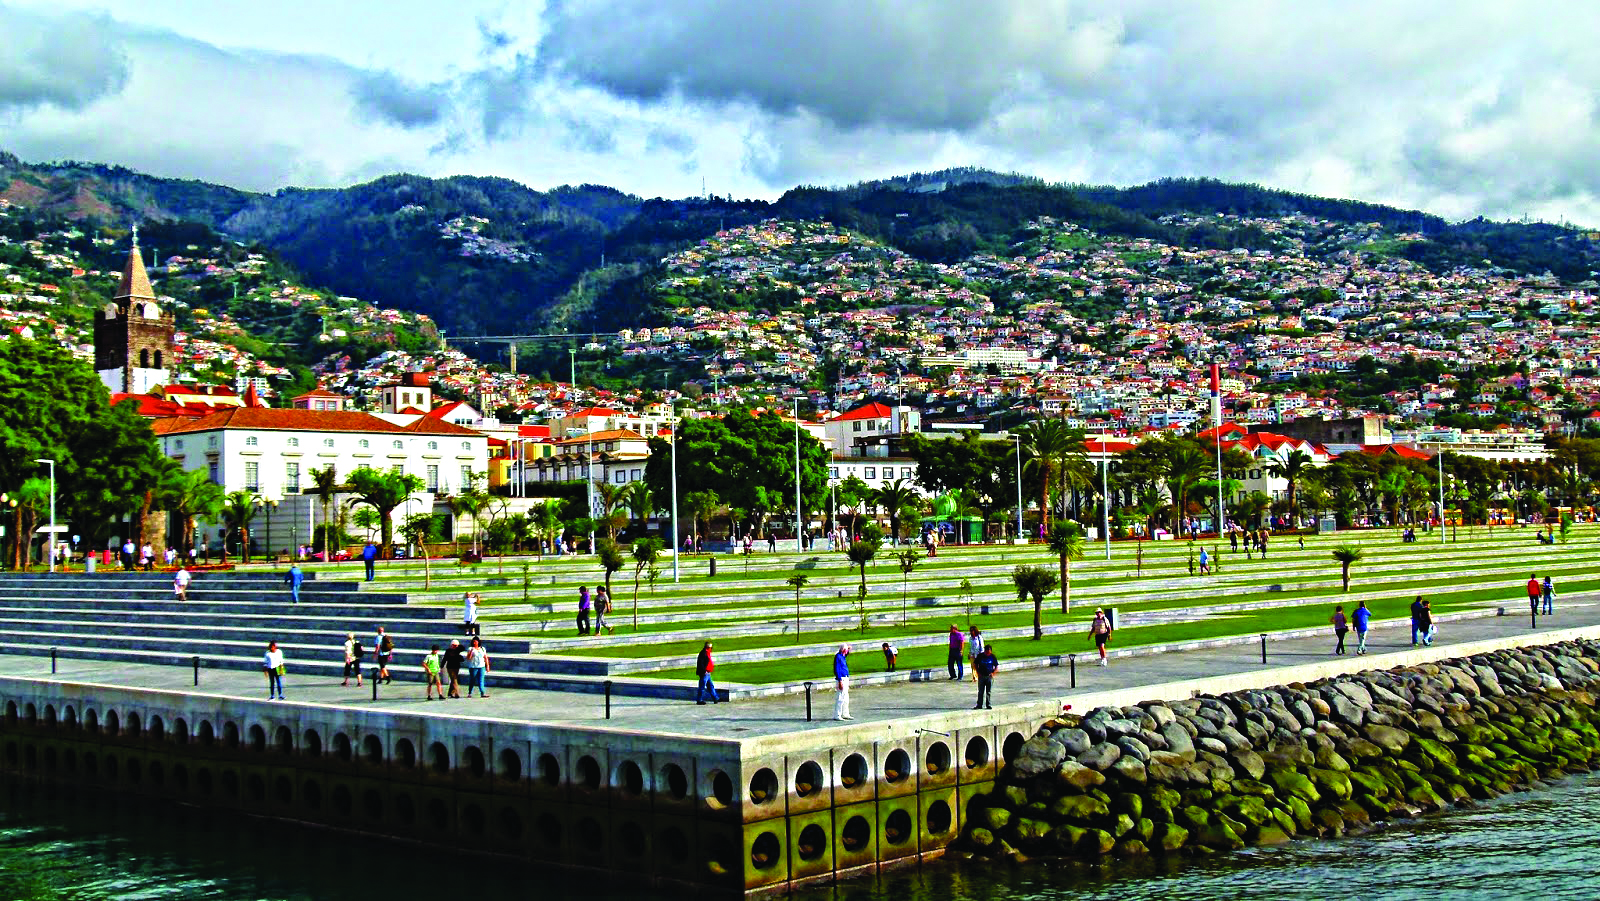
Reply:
x=229, y=617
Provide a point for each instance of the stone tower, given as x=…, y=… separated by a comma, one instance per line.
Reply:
x=133, y=338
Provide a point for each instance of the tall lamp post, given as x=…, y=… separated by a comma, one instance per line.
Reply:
x=51, y=543
x=1438, y=457
x=1105, y=495
x=266, y=507
x=588, y=461
x=672, y=439
x=799, y=540
x=1019, y=485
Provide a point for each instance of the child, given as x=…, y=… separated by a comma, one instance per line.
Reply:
x=890, y=655
x=431, y=665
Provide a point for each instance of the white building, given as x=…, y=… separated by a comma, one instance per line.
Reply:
x=270, y=454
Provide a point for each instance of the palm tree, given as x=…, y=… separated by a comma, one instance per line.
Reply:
x=611, y=497
x=1252, y=507
x=1183, y=466
x=547, y=523
x=908, y=561
x=1346, y=555
x=161, y=494
x=1034, y=582
x=700, y=505
x=326, y=482
x=1048, y=444
x=610, y=559
x=383, y=492
x=642, y=502
x=860, y=554
x=797, y=582
x=197, y=496
x=1291, y=468
x=460, y=505
x=895, y=497
x=1066, y=542
x=238, y=509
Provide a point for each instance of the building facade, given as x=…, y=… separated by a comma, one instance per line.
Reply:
x=134, y=340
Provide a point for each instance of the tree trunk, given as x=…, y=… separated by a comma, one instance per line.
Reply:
x=1066, y=601
x=1344, y=574
x=1038, y=615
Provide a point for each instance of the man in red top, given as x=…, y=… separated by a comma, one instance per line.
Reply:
x=1535, y=591
x=703, y=666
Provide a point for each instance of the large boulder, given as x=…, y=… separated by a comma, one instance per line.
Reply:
x=1130, y=770
x=1388, y=738
x=1075, y=741
x=1038, y=755
x=1101, y=756
x=1133, y=747
x=1074, y=776
x=1233, y=739
x=1179, y=742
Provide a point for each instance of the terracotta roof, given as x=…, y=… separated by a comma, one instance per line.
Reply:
x=867, y=411
x=440, y=411
x=598, y=411
x=426, y=426
x=608, y=435
x=317, y=392
x=287, y=420
x=135, y=282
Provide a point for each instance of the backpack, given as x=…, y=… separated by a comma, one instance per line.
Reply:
x=387, y=646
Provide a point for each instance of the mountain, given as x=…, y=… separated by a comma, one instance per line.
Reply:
x=490, y=255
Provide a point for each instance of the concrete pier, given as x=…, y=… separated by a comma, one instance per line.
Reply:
x=744, y=798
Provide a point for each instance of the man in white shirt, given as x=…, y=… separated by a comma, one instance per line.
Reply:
x=272, y=663
x=180, y=583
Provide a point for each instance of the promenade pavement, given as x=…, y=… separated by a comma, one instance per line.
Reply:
x=786, y=714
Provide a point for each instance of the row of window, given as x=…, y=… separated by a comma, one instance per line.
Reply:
x=871, y=472
x=364, y=444
x=291, y=476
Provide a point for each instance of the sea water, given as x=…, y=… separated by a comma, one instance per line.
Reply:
x=68, y=846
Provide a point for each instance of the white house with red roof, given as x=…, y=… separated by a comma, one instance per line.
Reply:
x=270, y=454
x=857, y=432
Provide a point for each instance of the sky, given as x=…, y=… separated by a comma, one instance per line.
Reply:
x=1461, y=108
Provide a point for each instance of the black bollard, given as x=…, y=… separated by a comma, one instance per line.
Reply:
x=808, y=702
x=1263, y=648
x=1533, y=618
x=197, y=671
x=375, y=683
x=52, y=661
x=1072, y=661
x=608, y=699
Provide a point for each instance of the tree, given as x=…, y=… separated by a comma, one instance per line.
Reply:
x=197, y=496
x=907, y=559
x=33, y=499
x=611, y=497
x=1252, y=507
x=547, y=523
x=1291, y=468
x=238, y=509
x=894, y=497
x=646, y=551
x=1048, y=447
x=1034, y=582
x=700, y=505
x=642, y=501
x=860, y=553
x=325, y=482
x=854, y=495
x=1066, y=542
x=797, y=582
x=1345, y=555
x=383, y=491
x=610, y=559
x=419, y=529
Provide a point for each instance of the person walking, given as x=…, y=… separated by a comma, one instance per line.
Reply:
x=953, y=661
x=1549, y=596
x=984, y=665
x=602, y=606
x=469, y=613
x=453, y=658
x=147, y=558
x=974, y=648
x=383, y=652
x=1340, y=627
x=1425, y=622
x=703, y=665
x=1416, y=620
x=180, y=583
x=477, y=666
x=1361, y=617
x=369, y=555
x=294, y=577
x=432, y=666
x=584, y=604
x=272, y=665
x=1205, y=562
x=353, y=652
x=1535, y=593
x=1100, y=631
x=127, y=555
x=841, y=684
x=890, y=655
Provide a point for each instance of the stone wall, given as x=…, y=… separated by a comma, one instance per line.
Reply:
x=1259, y=767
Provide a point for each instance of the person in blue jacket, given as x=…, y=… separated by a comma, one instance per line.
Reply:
x=370, y=555
x=294, y=577
x=1359, y=619
x=985, y=664
x=841, y=682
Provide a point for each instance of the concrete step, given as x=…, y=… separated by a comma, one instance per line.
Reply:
x=200, y=607
x=254, y=633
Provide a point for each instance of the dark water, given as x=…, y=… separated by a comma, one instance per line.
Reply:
x=56, y=846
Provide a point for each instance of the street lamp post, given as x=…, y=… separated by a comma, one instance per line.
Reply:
x=799, y=541
x=52, y=539
x=1020, y=485
x=1105, y=496
x=266, y=507
x=1439, y=458
x=588, y=462
x=672, y=440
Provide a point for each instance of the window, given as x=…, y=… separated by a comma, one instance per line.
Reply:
x=870, y=472
x=398, y=469
x=327, y=442
x=291, y=477
x=365, y=444
x=252, y=476
x=855, y=426
x=833, y=472
x=433, y=477
x=635, y=475
x=178, y=444
x=158, y=359
x=466, y=445
x=251, y=441
x=144, y=359
x=905, y=472
x=622, y=476
x=433, y=445
x=398, y=445
x=294, y=442
x=466, y=477
x=212, y=472
x=212, y=442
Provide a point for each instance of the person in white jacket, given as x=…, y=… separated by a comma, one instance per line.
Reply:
x=272, y=663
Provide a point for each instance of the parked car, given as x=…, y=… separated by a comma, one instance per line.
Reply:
x=340, y=554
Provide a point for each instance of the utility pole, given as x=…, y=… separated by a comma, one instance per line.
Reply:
x=672, y=437
x=1216, y=427
x=1019, y=484
x=799, y=540
x=588, y=463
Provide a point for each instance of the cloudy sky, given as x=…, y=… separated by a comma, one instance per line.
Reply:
x=1462, y=108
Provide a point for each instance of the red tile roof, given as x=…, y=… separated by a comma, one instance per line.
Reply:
x=283, y=420
x=867, y=411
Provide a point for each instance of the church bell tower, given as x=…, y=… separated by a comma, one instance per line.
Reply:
x=133, y=339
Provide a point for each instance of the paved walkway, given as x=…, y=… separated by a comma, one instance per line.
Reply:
x=786, y=714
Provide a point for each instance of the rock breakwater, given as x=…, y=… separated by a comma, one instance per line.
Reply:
x=1259, y=767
